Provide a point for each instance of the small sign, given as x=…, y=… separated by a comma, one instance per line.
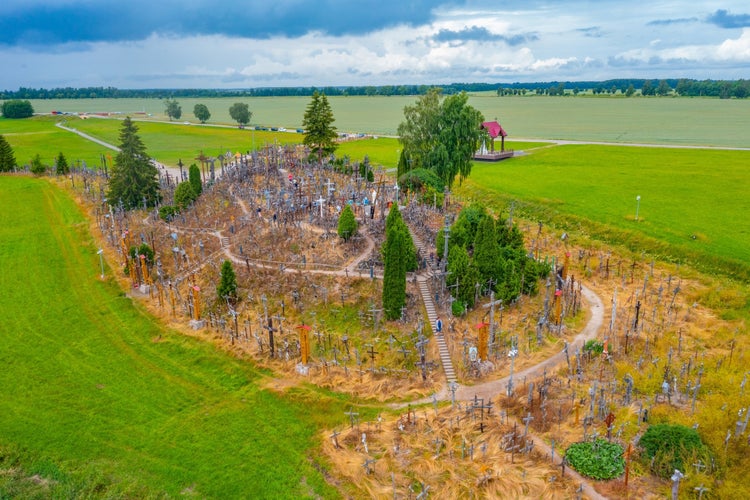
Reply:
x=473, y=353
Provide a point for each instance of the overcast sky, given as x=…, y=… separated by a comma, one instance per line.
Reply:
x=269, y=43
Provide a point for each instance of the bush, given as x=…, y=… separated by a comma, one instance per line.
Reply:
x=598, y=459
x=672, y=446
x=143, y=249
x=37, y=167
x=184, y=195
x=16, y=108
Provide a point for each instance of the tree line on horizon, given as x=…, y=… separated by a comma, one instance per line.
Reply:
x=683, y=87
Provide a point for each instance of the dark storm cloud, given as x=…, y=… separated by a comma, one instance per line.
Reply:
x=479, y=34
x=26, y=23
x=723, y=19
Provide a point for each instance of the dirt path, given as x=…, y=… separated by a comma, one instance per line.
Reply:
x=492, y=388
x=489, y=390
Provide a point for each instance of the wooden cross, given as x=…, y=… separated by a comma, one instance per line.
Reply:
x=352, y=416
x=334, y=438
x=700, y=489
x=528, y=418
x=609, y=421
x=367, y=464
x=372, y=352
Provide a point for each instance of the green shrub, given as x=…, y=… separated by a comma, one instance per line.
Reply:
x=142, y=249
x=37, y=167
x=167, y=212
x=184, y=195
x=671, y=446
x=598, y=459
x=594, y=347
x=458, y=308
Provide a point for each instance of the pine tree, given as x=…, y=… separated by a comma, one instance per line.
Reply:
x=133, y=178
x=394, y=277
x=7, y=159
x=320, y=134
x=227, y=289
x=347, y=223
x=61, y=165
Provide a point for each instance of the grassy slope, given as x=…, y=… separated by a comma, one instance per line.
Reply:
x=87, y=392
x=39, y=135
x=684, y=193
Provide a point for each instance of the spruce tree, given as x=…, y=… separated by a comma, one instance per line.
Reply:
x=394, y=277
x=320, y=134
x=227, y=288
x=133, y=178
x=61, y=165
x=7, y=159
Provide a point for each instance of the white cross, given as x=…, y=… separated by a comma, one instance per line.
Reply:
x=320, y=202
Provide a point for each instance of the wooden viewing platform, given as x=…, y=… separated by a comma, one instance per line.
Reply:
x=494, y=155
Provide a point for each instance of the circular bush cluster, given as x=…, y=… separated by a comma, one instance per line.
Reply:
x=668, y=446
x=597, y=459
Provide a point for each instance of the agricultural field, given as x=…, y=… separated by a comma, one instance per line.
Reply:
x=100, y=400
x=684, y=121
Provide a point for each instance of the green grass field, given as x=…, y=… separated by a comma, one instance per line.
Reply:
x=698, y=121
x=96, y=406
x=693, y=201
x=39, y=135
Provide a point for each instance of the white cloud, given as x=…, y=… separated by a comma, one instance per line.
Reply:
x=738, y=50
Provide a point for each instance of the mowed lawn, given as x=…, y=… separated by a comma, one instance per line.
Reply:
x=99, y=400
x=693, y=207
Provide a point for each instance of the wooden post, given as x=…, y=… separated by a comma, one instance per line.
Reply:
x=196, y=303
x=482, y=347
x=304, y=343
x=627, y=465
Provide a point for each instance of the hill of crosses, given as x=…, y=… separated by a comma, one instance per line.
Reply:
x=550, y=369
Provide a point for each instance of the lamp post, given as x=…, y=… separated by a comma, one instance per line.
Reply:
x=101, y=261
x=637, y=206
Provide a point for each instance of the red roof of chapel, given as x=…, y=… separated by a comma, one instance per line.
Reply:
x=494, y=129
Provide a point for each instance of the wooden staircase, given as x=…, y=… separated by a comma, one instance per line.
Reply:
x=429, y=304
